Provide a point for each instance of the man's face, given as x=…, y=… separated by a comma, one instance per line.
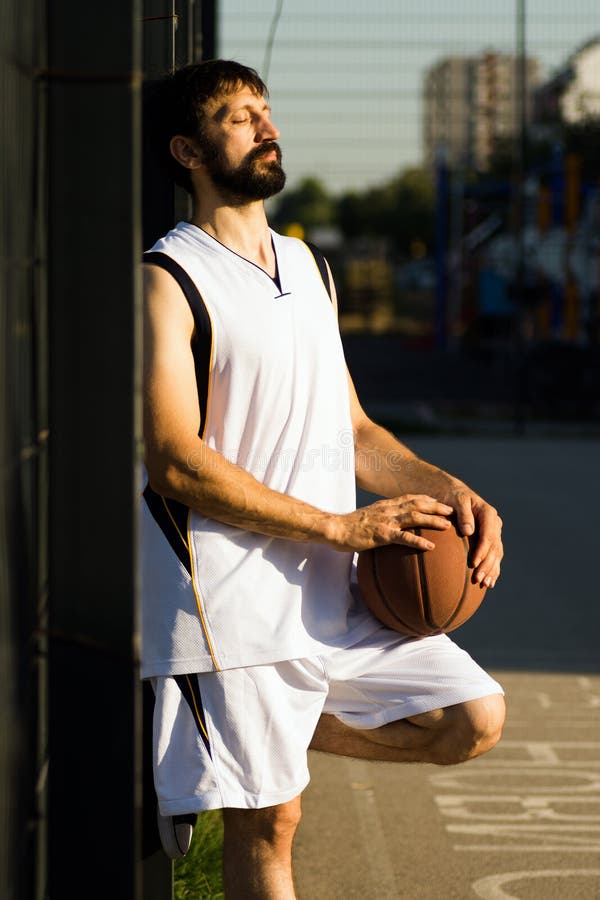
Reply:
x=239, y=148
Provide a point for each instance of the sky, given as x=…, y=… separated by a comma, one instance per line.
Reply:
x=345, y=77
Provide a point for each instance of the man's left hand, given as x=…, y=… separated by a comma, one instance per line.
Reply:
x=476, y=517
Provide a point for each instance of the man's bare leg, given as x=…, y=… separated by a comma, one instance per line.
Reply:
x=443, y=736
x=257, y=852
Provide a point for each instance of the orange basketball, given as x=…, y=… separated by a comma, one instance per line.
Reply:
x=421, y=592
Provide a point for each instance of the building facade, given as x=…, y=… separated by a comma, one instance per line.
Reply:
x=472, y=102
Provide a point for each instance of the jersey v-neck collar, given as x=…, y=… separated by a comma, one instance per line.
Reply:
x=275, y=279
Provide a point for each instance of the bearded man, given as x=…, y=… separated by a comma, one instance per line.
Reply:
x=255, y=636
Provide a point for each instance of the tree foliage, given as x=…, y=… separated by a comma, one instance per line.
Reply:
x=402, y=209
x=309, y=205
x=581, y=138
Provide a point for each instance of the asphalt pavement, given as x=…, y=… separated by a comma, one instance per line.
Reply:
x=522, y=822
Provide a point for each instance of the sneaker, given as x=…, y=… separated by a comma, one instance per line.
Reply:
x=176, y=833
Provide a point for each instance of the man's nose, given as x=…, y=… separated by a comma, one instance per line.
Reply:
x=267, y=131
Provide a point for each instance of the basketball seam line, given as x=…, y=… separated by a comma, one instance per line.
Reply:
x=424, y=587
x=463, y=596
x=382, y=596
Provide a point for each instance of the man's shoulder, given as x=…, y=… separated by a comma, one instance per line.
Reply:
x=183, y=237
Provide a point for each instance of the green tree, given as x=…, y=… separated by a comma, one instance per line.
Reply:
x=309, y=205
x=402, y=209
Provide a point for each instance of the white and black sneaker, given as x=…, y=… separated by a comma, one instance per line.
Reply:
x=176, y=833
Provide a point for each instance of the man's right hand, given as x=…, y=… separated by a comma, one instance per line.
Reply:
x=388, y=522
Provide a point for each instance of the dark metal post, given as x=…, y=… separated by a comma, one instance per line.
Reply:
x=174, y=33
x=23, y=453
x=521, y=362
x=442, y=195
x=94, y=84
x=205, y=29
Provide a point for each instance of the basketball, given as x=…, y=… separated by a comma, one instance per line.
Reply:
x=421, y=592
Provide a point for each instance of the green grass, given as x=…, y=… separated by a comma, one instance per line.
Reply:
x=198, y=875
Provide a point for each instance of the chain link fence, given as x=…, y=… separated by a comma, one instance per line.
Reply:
x=23, y=442
x=444, y=157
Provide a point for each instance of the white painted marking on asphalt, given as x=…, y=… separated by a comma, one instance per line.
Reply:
x=525, y=848
x=480, y=808
x=466, y=779
x=528, y=838
x=532, y=796
x=524, y=764
x=542, y=753
x=384, y=885
x=558, y=720
x=525, y=805
x=490, y=887
x=569, y=745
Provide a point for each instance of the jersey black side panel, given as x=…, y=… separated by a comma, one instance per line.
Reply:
x=189, y=687
x=170, y=515
x=321, y=265
x=202, y=341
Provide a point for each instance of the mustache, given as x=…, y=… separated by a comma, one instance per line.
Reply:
x=264, y=150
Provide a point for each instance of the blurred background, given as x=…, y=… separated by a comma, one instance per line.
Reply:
x=445, y=159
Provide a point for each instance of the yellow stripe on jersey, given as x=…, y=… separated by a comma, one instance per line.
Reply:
x=183, y=540
x=198, y=600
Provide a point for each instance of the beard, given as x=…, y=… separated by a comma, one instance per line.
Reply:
x=248, y=181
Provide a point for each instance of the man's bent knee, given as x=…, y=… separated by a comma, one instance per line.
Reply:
x=272, y=824
x=473, y=729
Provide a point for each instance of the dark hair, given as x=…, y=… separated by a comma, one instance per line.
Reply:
x=175, y=105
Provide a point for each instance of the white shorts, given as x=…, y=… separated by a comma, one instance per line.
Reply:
x=239, y=737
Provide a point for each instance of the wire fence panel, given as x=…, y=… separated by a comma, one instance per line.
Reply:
x=23, y=449
x=444, y=158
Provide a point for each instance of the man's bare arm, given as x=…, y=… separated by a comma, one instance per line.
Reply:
x=385, y=466
x=181, y=466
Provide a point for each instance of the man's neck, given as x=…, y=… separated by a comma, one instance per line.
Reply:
x=244, y=229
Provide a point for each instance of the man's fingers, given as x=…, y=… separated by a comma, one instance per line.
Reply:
x=421, y=520
x=488, y=576
x=490, y=527
x=410, y=539
x=465, y=519
x=421, y=503
x=390, y=522
x=474, y=516
x=488, y=569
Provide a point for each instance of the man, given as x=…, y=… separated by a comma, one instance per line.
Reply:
x=254, y=634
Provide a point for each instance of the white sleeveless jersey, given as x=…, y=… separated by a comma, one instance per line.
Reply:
x=274, y=400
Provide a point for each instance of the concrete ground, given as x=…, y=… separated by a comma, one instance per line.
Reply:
x=523, y=822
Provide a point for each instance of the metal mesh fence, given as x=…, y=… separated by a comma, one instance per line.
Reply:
x=443, y=157
x=23, y=439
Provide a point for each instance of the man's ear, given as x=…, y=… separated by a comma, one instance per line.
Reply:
x=185, y=151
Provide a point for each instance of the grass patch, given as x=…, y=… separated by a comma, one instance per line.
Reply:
x=198, y=876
